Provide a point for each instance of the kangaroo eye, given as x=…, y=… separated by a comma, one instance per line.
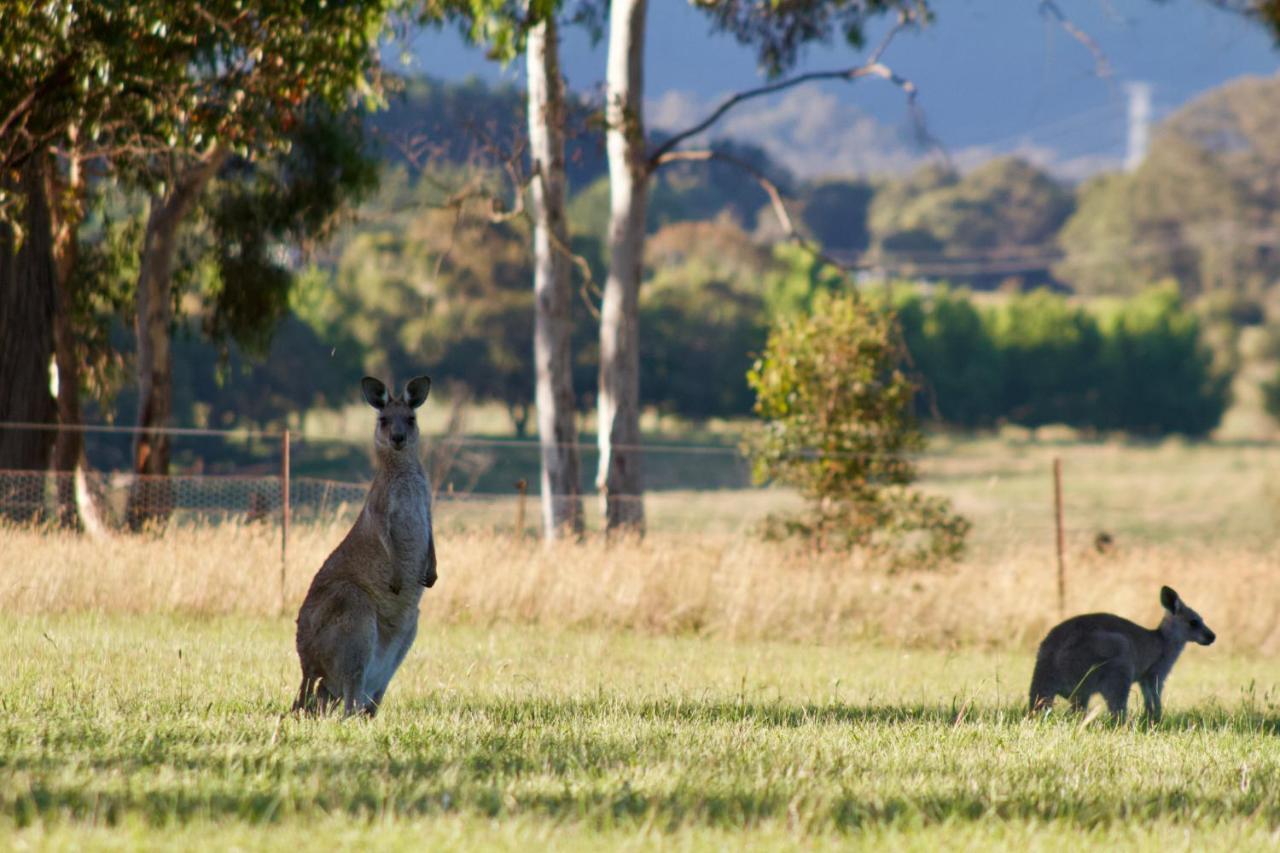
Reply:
x=412, y=421
x=383, y=421
x=1197, y=624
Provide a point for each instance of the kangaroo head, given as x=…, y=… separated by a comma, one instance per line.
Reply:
x=1184, y=623
x=397, y=428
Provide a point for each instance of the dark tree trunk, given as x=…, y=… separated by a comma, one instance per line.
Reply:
x=151, y=498
x=28, y=297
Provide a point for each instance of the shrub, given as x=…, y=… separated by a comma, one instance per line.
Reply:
x=1158, y=374
x=836, y=406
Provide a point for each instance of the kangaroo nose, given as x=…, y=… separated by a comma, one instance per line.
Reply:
x=431, y=580
x=1209, y=638
x=397, y=439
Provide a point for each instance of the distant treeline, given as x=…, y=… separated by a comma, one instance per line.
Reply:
x=418, y=280
x=1137, y=365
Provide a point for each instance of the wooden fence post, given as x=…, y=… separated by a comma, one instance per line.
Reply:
x=284, y=519
x=522, y=487
x=1057, y=516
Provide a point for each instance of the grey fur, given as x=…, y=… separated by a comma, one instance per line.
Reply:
x=1102, y=653
x=360, y=615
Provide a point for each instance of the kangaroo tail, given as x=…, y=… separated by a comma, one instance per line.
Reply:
x=304, y=694
x=1042, y=691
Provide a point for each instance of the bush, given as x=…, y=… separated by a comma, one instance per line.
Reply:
x=1141, y=365
x=836, y=402
x=1158, y=374
x=1051, y=352
x=957, y=364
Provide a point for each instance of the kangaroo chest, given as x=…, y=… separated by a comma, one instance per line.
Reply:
x=408, y=519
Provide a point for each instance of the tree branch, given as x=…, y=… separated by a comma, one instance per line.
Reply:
x=873, y=67
x=776, y=202
x=1101, y=65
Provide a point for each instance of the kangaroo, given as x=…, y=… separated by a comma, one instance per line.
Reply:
x=1103, y=653
x=360, y=615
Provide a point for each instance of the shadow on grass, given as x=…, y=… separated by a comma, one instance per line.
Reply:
x=570, y=761
x=780, y=714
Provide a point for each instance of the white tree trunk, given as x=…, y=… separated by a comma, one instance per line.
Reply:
x=619, y=477
x=552, y=286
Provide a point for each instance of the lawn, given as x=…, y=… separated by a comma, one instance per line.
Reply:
x=169, y=732
x=697, y=689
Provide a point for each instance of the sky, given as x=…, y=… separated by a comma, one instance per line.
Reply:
x=995, y=76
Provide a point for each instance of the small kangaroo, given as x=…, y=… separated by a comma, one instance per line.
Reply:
x=1103, y=653
x=360, y=615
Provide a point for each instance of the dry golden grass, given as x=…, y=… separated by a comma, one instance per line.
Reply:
x=715, y=584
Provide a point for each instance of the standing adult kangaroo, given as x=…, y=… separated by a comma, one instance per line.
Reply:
x=360, y=615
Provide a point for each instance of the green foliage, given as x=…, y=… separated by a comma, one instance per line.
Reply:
x=101, y=290
x=257, y=213
x=836, y=213
x=1200, y=209
x=139, y=78
x=1052, y=354
x=1140, y=366
x=836, y=406
x=442, y=289
x=229, y=386
x=798, y=281
x=960, y=368
x=1159, y=375
x=1001, y=218
x=703, y=319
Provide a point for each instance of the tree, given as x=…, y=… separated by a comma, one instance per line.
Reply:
x=836, y=406
x=160, y=93
x=958, y=367
x=1052, y=353
x=778, y=31
x=553, y=287
x=619, y=477
x=445, y=287
x=27, y=305
x=997, y=222
x=1200, y=209
x=509, y=29
x=836, y=213
x=1159, y=374
x=704, y=315
x=75, y=75
x=256, y=72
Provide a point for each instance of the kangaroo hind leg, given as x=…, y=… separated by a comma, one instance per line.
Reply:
x=1114, y=684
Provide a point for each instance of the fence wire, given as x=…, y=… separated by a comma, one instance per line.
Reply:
x=1115, y=493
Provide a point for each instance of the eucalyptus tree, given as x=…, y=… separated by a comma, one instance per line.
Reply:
x=161, y=93
x=778, y=32
x=81, y=84
x=509, y=29
x=255, y=70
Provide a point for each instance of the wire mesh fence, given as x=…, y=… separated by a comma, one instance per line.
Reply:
x=1115, y=492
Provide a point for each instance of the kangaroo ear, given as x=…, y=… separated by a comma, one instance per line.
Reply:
x=417, y=390
x=375, y=393
x=1170, y=599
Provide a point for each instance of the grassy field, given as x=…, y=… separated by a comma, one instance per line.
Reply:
x=699, y=689
x=169, y=732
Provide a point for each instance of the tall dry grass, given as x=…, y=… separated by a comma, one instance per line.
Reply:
x=717, y=584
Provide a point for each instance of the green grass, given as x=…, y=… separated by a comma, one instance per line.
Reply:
x=165, y=732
